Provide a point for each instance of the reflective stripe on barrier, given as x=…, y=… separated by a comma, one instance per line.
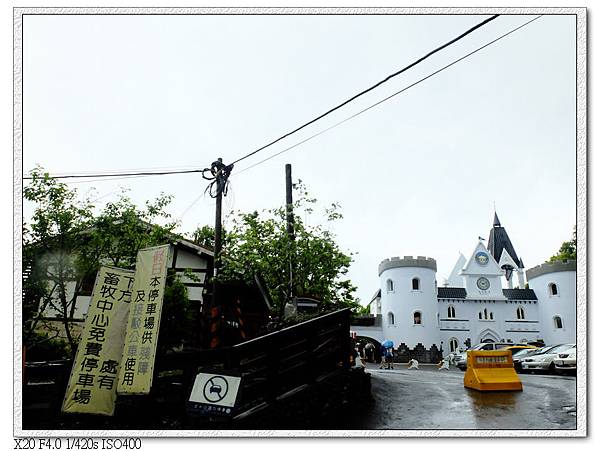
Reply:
x=491, y=370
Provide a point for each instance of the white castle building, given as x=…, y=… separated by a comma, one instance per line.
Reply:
x=478, y=302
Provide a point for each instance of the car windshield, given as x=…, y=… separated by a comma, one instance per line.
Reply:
x=521, y=352
x=562, y=348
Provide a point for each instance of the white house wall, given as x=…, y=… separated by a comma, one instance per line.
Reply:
x=505, y=326
x=403, y=302
x=563, y=304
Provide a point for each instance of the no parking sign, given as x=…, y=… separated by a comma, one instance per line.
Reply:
x=214, y=394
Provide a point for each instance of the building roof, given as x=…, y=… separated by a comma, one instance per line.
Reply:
x=520, y=294
x=499, y=240
x=550, y=267
x=511, y=294
x=375, y=296
x=452, y=292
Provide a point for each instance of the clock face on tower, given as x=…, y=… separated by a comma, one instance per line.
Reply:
x=483, y=283
x=481, y=258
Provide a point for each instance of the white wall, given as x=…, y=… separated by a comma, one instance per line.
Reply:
x=403, y=301
x=504, y=326
x=563, y=305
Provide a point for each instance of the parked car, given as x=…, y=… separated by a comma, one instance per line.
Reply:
x=460, y=360
x=566, y=362
x=545, y=361
x=523, y=353
x=518, y=348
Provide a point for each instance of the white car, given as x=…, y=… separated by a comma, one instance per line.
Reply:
x=545, y=362
x=566, y=362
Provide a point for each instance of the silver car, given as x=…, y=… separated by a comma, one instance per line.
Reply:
x=545, y=361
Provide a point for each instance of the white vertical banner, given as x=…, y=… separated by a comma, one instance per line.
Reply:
x=139, y=352
x=92, y=386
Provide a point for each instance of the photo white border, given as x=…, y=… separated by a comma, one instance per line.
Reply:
x=581, y=155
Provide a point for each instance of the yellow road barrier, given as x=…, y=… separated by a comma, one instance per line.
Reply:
x=491, y=370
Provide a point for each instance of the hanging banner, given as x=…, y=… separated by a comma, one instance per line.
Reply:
x=137, y=362
x=92, y=386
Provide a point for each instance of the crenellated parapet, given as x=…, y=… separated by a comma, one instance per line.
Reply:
x=407, y=262
x=547, y=268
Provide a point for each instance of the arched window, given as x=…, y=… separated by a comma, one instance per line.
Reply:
x=451, y=312
x=553, y=289
x=480, y=315
x=417, y=317
x=491, y=315
x=558, y=322
x=416, y=283
x=390, y=319
x=485, y=315
x=390, y=285
x=453, y=345
x=520, y=313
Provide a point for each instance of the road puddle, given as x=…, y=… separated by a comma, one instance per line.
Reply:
x=498, y=399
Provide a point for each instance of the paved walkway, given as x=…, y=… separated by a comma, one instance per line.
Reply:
x=432, y=399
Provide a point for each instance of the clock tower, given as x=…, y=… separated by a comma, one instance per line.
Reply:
x=482, y=275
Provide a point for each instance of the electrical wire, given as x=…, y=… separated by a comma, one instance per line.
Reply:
x=388, y=97
x=122, y=174
x=389, y=77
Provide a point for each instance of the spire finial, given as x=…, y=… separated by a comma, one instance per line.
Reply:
x=496, y=220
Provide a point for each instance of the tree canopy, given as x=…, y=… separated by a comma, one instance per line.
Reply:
x=568, y=250
x=67, y=241
x=259, y=243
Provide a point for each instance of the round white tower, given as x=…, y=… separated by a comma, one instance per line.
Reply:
x=555, y=287
x=409, y=301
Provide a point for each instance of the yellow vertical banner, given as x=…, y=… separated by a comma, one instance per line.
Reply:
x=139, y=352
x=92, y=385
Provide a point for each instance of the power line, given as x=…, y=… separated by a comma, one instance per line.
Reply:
x=389, y=77
x=388, y=97
x=122, y=174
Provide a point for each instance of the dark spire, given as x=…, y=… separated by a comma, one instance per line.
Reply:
x=498, y=241
x=496, y=220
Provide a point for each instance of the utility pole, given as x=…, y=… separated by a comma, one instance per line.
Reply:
x=290, y=224
x=219, y=175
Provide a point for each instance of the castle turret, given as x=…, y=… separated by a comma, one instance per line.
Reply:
x=409, y=301
x=555, y=286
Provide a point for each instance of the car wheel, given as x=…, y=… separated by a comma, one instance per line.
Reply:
x=551, y=368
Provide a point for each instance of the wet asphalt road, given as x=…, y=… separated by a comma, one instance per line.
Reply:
x=432, y=399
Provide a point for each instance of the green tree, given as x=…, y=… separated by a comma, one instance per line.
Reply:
x=259, y=243
x=65, y=244
x=568, y=250
x=51, y=244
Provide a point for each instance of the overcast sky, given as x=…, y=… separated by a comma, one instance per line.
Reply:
x=417, y=175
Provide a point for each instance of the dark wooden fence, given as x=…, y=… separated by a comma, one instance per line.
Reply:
x=300, y=362
x=277, y=365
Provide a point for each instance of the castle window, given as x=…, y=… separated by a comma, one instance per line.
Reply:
x=520, y=313
x=416, y=284
x=553, y=289
x=558, y=322
x=390, y=285
x=451, y=312
x=453, y=345
x=480, y=315
x=491, y=315
x=485, y=315
x=390, y=319
x=417, y=318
